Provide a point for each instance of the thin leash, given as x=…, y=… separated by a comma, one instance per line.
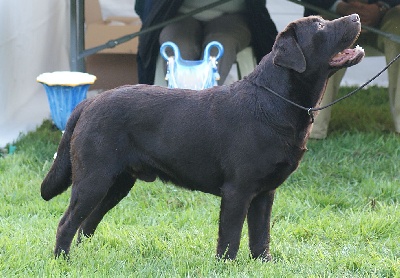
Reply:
x=310, y=110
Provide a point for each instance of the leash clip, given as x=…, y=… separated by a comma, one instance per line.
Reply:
x=310, y=112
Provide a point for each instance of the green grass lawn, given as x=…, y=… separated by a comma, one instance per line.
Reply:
x=336, y=216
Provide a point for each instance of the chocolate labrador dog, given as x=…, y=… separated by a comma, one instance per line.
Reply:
x=239, y=142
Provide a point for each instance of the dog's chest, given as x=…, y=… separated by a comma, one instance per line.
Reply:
x=282, y=169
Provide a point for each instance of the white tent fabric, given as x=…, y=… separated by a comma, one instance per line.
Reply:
x=34, y=38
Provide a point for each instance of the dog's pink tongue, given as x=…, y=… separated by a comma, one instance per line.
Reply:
x=345, y=56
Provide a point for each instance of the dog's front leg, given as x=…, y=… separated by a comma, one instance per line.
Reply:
x=258, y=220
x=234, y=206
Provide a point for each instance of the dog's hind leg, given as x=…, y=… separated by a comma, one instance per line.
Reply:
x=234, y=206
x=122, y=185
x=258, y=220
x=86, y=194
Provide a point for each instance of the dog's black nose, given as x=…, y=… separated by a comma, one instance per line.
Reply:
x=355, y=18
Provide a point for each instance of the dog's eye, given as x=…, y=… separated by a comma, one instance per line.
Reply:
x=320, y=26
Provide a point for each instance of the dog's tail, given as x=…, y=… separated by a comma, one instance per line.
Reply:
x=58, y=179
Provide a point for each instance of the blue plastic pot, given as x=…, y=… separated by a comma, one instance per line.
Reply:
x=65, y=90
x=62, y=100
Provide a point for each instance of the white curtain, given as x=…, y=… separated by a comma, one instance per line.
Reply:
x=34, y=38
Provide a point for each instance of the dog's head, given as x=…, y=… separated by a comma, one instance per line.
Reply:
x=313, y=44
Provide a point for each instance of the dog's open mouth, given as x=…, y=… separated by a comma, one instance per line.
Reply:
x=347, y=57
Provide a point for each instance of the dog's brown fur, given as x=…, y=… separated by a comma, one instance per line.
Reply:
x=239, y=142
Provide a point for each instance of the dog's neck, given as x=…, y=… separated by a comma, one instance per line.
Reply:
x=296, y=87
x=298, y=121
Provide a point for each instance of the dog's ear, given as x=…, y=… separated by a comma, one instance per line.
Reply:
x=287, y=51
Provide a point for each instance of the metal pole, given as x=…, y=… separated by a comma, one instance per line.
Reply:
x=77, y=43
x=81, y=35
x=73, y=36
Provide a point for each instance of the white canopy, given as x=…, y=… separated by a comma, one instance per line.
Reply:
x=34, y=38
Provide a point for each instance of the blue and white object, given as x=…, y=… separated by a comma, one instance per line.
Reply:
x=195, y=75
x=65, y=90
